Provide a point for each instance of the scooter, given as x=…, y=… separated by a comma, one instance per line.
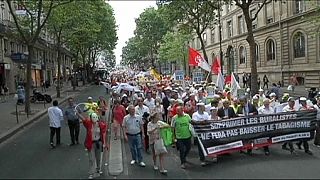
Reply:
x=37, y=96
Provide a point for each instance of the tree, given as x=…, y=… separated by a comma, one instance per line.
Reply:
x=173, y=47
x=29, y=27
x=150, y=28
x=245, y=7
x=193, y=15
x=93, y=30
x=134, y=52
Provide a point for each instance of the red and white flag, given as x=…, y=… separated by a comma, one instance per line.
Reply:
x=195, y=59
x=234, y=86
x=216, y=67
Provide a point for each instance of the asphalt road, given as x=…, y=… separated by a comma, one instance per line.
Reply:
x=28, y=154
x=280, y=164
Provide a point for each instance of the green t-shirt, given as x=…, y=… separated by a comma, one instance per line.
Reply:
x=181, y=125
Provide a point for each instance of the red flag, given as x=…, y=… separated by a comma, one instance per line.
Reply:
x=227, y=80
x=193, y=57
x=216, y=68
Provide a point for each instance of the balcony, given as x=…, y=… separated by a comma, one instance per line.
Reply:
x=19, y=58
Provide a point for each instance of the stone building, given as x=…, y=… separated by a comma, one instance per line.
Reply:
x=13, y=55
x=286, y=41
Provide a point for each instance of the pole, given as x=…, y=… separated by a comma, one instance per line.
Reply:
x=220, y=37
x=17, y=114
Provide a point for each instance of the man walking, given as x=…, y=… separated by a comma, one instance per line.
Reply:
x=133, y=127
x=180, y=124
x=55, y=118
x=73, y=122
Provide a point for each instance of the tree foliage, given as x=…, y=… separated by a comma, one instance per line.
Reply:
x=151, y=26
x=192, y=15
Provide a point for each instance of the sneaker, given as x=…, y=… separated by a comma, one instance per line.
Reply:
x=52, y=146
x=267, y=153
x=100, y=172
x=163, y=171
x=90, y=176
x=155, y=168
x=142, y=164
x=183, y=166
x=215, y=160
x=72, y=144
x=132, y=162
x=309, y=152
x=203, y=163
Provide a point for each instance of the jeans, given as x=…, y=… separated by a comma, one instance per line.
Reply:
x=184, y=146
x=74, y=127
x=135, y=145
x=201, y=155
x=53, y=131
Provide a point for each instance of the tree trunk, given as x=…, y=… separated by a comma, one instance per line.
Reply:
x=27, y=107
x=253, y=62
x=84, y=68
x=59, y=71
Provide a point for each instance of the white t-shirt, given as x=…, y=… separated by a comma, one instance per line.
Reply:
x=55, y=116
x=149, y=103
x=140, y=111
x=264, y=110
x=200, y=117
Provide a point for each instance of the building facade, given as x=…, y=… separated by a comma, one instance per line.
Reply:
x=14, y=53
x=286, y=38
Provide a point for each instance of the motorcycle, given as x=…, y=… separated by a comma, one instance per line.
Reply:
x=38, y=96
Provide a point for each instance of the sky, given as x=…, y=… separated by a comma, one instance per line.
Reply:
x=126, y=11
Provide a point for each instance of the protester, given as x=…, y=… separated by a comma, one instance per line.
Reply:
x=91, y=106
x=133, y=128
x=266, y=109
x=317, y=136
x=103, y=107
x=304, y=107
x=265, y=82
x=143, y=111
x=246, y=109
x=95, y=141
x=118, y=113
x=155, y=140
x=200, y=117
x=289, y=108
x=181, y=123
x=226, y=112
x=73, y=121
x=55, y=117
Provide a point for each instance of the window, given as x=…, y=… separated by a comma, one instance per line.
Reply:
x=12, y=49
x=269, y=12
x=242, y=53
x=271, y=50
x=204, y=38
x=6, y=45
x=252, y=14
x=212, y=35
x=257, y=52
x=299, y=45
x=299, y=6
x=24, y=48
x=240, y=24
x=229, y=28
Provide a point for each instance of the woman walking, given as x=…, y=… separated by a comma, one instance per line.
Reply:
x=118, y=114
x=156, y=142
x=95, y=142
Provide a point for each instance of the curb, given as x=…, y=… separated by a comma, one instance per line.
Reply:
x=115, y=167
x=12, y=131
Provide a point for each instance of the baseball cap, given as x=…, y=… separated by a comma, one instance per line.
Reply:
x=89, y=98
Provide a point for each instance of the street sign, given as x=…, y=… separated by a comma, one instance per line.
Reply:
x=179, y=75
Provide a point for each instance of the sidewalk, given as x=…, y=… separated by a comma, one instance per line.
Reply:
x=9, y=124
